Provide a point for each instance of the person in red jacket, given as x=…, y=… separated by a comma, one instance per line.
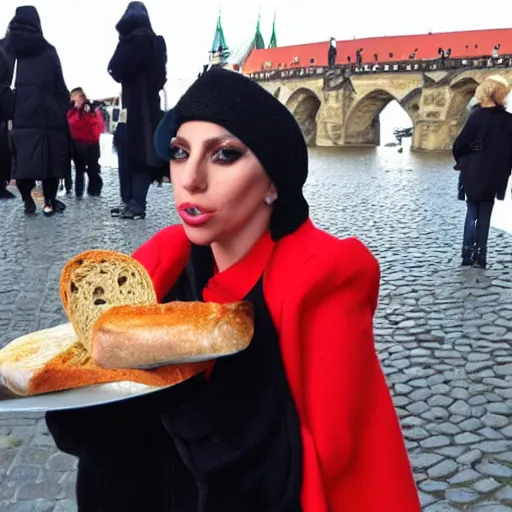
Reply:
x=302, y=420
x=86, y=126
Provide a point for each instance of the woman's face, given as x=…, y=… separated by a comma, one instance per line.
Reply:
x=219, y=185
x=78, y=99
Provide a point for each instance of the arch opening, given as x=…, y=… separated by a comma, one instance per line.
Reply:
x=304, y=105
x=458, y=108
x=375, y=117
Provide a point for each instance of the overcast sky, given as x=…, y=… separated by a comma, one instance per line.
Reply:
x=83, y=30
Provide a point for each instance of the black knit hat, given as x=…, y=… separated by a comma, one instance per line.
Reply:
x=260, y=121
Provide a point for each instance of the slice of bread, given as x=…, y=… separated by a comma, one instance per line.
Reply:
x=96, y=280
x=23, y=357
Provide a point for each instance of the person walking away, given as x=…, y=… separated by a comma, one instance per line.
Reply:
x=40, y=134
x=6, y=109
x=483, y=154
x=86, y=126
x=139, y=65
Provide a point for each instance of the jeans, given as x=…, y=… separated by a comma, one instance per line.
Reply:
x=50, y=188
x=478, y=222
x=86, y=158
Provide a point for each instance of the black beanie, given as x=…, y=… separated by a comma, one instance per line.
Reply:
x=262, y=123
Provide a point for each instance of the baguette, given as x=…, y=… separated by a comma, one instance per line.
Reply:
x=96, y=280
x=177, y=332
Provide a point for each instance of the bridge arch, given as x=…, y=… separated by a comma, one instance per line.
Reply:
x=457, y=112
x=362, y=125
x=304, y=105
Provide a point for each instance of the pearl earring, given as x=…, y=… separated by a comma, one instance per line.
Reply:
x=269, y=200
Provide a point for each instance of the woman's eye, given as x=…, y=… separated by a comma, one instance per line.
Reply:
x=227, y=155
x=178, y=153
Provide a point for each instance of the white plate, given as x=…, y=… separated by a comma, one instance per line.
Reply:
x=75, y=398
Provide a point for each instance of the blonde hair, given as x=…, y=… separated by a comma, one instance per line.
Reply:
x=494, y=88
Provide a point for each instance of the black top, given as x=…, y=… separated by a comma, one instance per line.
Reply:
x=228, y=443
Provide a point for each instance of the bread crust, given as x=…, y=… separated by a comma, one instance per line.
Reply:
x=96, y=280
x=177, y=332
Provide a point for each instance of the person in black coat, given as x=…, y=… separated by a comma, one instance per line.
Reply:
x=40, y=133
x=483, y=154
x=139, y=65
x=6, y=110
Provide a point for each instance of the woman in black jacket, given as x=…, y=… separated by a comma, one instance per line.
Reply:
x=40, y=133
x=483, y=154
x=139, y=65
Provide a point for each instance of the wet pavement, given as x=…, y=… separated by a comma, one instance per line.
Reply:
x=443, y=333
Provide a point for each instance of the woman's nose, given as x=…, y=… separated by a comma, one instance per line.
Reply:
x=194, y=176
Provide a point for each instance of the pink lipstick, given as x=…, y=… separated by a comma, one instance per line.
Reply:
x=193, y=215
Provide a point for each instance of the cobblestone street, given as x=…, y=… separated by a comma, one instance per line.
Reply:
x=444, y=333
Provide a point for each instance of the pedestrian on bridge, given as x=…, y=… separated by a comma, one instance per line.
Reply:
x=483, y=154
x=301, y=421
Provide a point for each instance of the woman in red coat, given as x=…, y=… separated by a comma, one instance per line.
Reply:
x=300, y=421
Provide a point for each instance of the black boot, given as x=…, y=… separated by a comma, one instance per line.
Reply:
x=117, y=211
x=68, y=183
x=467, y=256
x=4, y=193
x=30, y=206
x=479, y=259
x=52, y=207
x=133, y=211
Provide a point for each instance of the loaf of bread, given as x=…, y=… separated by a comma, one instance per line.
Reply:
x=96, y=280
x=178, y=332
x=112, y=307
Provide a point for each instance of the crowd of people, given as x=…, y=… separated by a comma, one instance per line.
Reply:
x=45, y=127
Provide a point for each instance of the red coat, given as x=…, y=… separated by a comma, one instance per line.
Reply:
x=322, y=293
x=85, y=127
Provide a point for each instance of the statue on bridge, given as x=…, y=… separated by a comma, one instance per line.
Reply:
x=331, y=55
x=359, y=56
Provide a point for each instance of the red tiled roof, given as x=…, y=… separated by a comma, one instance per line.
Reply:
x=472, y=43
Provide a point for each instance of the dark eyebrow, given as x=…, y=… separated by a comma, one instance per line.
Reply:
x=207, y=142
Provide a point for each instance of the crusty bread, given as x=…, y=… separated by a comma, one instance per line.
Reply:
x=177, y=332
x=53, y=360
x=96, y=280
x=104, y=292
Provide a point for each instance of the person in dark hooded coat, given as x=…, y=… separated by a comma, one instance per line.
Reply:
x=139, y=65
x=40, y=132
x=6, y=110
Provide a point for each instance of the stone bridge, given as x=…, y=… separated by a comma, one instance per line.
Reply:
x=340, y=107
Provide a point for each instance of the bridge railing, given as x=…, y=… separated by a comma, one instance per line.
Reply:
x=339, y=73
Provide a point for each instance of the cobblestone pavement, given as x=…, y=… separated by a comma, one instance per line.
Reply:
x=444, y=334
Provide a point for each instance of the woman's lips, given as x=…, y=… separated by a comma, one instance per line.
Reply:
x=193, y=215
